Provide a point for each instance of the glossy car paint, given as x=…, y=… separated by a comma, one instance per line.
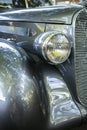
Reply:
x=52, y=14
x=55, y=92
x=19, y=100
x=61, y=109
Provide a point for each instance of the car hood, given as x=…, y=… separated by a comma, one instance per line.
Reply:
x=52, y=14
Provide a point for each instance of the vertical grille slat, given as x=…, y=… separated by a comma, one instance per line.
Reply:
x=81, y=56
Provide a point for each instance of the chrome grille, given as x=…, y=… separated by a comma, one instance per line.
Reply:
x=81, y=56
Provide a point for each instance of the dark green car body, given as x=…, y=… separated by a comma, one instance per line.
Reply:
x=35, y=94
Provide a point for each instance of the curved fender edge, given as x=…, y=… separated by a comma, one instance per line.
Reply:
x=19, y=99
x=62, y=111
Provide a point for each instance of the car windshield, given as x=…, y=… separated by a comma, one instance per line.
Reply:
x=34, y=3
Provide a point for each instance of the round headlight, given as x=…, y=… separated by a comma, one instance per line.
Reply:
x=54, y=46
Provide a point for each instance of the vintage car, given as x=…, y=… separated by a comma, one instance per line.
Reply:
x=43, y=68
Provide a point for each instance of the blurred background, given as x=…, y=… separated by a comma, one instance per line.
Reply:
x=34, y=3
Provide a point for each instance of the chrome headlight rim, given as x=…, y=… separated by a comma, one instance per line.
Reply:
x=43, y=39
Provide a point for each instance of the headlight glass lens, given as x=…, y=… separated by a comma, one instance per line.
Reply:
x=57, y=49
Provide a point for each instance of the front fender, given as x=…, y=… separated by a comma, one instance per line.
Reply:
x=61, y=109
x=19, y=100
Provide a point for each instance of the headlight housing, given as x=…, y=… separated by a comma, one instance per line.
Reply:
x=53, y=46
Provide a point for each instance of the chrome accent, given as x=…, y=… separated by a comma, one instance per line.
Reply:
x=41, y=41
x=80, y=55
x=63, y=29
